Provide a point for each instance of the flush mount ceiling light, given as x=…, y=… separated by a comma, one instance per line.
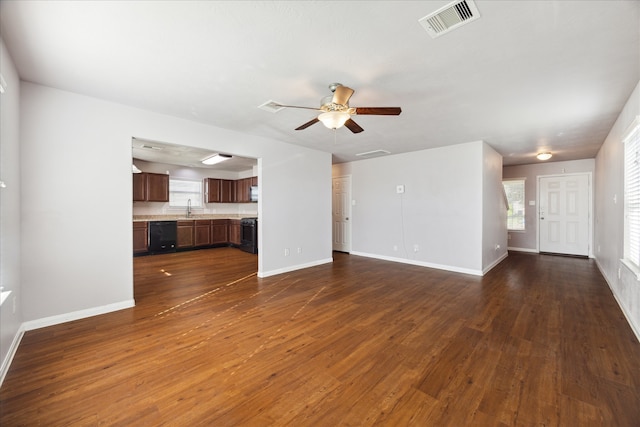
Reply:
x=334, y=119
x=215, y=159
x=544, y=156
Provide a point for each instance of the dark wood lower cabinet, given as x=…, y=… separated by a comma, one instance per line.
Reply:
x=219, y=232
x=235, y=232
x=203, y=232
x=185, y=235
x=193, y=234
x=140, y=237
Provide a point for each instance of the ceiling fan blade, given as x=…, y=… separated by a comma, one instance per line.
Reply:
x=353, y=126
x=380, y=111
x=342, y=94
x=309, y=123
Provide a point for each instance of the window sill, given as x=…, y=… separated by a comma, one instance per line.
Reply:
x=632, y=268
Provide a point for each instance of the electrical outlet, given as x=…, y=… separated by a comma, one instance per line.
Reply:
x=400, y=189
x=416, y=248
x=299, y=250
x=286, y=251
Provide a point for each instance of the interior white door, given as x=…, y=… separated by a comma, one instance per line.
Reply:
x=564, y=214
x=341, y=214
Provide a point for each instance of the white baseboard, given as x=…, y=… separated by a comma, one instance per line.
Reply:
x=535, y=251
x=496, y=262
x=75, y=315
x=421, y=263
x=263, y=274
x=635, y=328
x=12, y=352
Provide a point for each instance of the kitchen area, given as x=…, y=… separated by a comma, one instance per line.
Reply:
x=185, y=198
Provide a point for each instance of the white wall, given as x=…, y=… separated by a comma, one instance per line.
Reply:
x=494, y=210
x=609, y=215
x=77, y=191
x=527, y=240
x=441, y=210
x=10, y=279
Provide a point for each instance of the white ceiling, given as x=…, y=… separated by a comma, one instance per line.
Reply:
x=527, y=76
x=182, y=155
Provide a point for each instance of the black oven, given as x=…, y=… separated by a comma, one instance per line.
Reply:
x=249, y=235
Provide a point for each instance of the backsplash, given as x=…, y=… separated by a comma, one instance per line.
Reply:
x=158, y=208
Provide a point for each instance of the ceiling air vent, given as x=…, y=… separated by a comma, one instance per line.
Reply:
x=373, y=153
x=450, y=17
x=271, y=106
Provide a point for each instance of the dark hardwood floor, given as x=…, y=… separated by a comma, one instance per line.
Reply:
x=538, y=341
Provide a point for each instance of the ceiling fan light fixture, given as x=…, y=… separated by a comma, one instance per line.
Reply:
x=215, y=159
x=334, y=119
x=544, y=156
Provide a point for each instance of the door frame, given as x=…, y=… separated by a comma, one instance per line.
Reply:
x=589, y=176
x=350, y=216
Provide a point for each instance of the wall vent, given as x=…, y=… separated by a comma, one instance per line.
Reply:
x=450, y=17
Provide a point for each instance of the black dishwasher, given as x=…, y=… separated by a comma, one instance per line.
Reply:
x=162, y=236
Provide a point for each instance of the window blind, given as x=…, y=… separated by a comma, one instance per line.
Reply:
x=632, y=193
x=183, y=190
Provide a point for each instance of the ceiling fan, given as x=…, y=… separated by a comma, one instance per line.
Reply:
x=336, y=111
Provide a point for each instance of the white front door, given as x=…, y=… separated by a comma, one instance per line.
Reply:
x=564, y=214
x=342, y=214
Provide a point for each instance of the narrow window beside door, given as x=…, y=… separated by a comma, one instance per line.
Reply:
x=514, y=190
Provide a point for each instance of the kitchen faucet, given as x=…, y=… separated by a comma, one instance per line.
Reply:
x=188, y=208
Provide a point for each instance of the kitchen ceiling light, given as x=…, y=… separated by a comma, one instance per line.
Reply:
x=215, y=159
x=135, y=169
x=544, y=156
x=334, y=119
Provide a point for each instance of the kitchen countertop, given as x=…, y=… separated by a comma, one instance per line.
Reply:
x=141, y=218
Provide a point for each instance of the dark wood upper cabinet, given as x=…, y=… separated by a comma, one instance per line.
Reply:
x=139, y=187
x=150, y=187
x=220, y=190
x=157, y=187
x=228, y=191
x=244, y=190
